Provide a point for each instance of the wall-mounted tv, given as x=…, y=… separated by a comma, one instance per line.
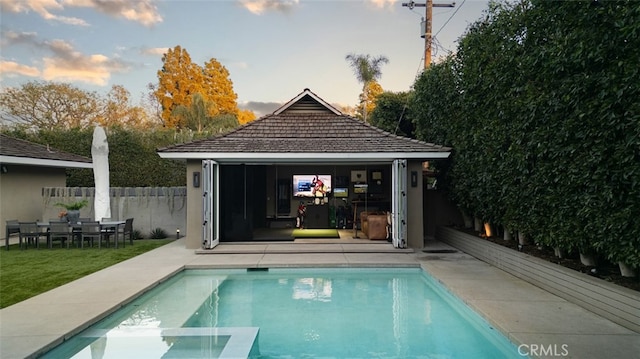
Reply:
x=340, y=192
x=360, y=188
x=311, y=185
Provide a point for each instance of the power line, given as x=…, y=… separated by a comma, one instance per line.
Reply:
x=451, y=17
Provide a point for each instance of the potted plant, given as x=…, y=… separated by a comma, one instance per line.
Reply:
x=71, y=211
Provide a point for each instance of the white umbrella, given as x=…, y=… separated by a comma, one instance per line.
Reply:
x=100, y=156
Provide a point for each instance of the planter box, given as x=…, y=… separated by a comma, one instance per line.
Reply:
x=618, y=304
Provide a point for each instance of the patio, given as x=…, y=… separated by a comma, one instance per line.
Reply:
x=526, y=314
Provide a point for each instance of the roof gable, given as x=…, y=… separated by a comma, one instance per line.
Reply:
x=307, y=102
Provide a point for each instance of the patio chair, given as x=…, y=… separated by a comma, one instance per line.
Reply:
x=107, y=232
x=11, y=227
x=76, y=228
x=30, y=232
x=90, y=231
x=126, y=230
x=60, y=230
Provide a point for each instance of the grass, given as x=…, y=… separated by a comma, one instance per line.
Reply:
x=27, y=273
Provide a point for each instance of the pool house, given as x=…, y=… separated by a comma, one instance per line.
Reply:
x=246, y=185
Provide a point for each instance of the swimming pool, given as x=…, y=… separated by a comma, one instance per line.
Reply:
x=293, y=313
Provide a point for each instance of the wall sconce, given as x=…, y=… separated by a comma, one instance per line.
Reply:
x=4, y=169
x=196, y=179
x=414, y=178
x=178, y=233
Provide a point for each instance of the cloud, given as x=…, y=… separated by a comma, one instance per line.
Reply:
x=390, y=4
x=141, y=11
x=63, y=61
x=42, y=8
x=70, y=65
x=260, y=108
x=240, y=65
x=154, y=51
x=9, y=38
x=10, y=68
x=259, y=6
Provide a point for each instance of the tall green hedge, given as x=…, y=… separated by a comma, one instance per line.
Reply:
x=540, y=104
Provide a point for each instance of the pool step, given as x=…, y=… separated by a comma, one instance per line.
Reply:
x=209, y=342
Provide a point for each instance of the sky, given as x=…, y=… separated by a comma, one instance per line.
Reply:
x=273, y=49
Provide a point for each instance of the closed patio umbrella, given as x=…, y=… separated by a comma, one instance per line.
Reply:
x=100, y=156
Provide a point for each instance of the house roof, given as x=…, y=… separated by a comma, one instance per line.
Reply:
x=306, y=129
x=21, y=152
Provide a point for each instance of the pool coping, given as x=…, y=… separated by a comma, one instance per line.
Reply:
x=525, y=314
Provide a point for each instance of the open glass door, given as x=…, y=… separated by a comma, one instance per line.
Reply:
x=210, y=204
x=399, y=203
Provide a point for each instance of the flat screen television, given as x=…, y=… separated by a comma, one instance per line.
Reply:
x=360, y=188
x=311, y=185
x=340, y=192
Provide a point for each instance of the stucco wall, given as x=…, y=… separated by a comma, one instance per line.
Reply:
x=21, y=192
x=194, y=216
x=415, y=229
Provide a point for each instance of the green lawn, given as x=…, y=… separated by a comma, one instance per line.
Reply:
x=27, y=273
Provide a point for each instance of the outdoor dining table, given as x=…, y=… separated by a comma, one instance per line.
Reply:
x=106, y=226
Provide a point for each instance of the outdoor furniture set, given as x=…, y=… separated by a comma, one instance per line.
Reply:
x=85, y=230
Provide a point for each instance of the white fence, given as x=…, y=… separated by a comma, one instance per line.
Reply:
x=150, y=207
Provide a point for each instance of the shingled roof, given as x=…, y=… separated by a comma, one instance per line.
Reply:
x=16, y=151
x=306, y=128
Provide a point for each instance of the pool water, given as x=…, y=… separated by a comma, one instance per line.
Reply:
x=293, y=313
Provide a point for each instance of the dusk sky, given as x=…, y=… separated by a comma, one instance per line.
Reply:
x=273, y=49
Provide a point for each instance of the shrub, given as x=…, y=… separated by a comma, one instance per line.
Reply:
x=137, y=234
x=158, y=233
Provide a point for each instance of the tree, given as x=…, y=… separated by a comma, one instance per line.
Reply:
x=218, y=89
x=435, y=106
x=49, y=105
x=118, y=111
x=245, y=116
x=366, y=69
x=540, y=105
x=223, y=123
x=180, y=79
x=152, y=105
x=195, y=116
x=368, y=99
x=392, y=113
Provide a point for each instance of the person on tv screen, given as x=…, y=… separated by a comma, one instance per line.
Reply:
x=319, y=189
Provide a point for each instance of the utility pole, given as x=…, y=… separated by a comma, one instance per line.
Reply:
x=427, y=25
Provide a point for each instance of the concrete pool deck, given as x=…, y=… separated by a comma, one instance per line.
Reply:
x=540, y=322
